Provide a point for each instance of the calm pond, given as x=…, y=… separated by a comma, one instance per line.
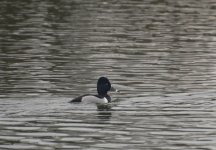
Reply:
x=160, y=54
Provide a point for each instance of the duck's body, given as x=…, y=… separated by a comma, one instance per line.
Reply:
x=103, y=86
x=87, y=98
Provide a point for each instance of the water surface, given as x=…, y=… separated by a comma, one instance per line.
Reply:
x=159, y=53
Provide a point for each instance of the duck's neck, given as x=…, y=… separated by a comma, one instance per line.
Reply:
x=101, y=91
x=102, y=94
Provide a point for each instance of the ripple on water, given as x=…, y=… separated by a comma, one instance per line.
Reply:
x=170, y=120
x=159, y=53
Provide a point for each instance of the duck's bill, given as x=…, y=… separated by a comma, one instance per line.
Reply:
x=112, y=89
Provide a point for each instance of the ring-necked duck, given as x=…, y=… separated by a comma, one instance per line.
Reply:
x=103, y=86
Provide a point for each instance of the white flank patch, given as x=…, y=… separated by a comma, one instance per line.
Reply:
x=94, y=100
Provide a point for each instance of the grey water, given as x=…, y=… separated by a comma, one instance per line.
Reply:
x=160, y=54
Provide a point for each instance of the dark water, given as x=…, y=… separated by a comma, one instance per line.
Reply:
x=161, y=54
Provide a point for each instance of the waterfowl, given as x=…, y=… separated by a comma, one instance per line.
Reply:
x=102, y=97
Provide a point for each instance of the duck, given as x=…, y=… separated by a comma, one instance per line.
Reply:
x=102, y=97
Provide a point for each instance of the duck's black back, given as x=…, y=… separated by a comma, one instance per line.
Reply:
x=78, y=99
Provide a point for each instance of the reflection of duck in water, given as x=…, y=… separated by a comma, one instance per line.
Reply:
x=103, y=86
x=104, y=114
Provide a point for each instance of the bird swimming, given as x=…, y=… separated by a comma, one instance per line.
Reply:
x=103, y=86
